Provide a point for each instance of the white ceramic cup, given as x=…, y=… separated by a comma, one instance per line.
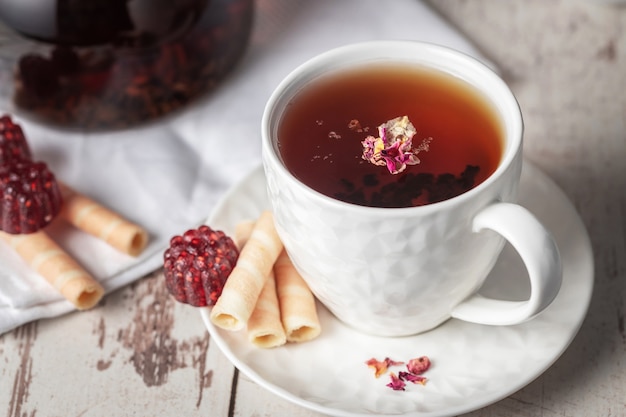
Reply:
x=402, y=271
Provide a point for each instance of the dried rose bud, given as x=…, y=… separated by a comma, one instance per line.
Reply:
x=419, y=365
x=394, y=146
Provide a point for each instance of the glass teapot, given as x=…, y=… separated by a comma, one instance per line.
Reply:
x=102, y=64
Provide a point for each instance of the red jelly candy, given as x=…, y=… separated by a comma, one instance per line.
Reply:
x=197, y=264
x=31, y=197
x=13, y=145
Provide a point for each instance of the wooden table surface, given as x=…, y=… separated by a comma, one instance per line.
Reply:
x=141, y=354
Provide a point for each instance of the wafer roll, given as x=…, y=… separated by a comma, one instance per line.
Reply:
x=243, y=230
x=103, y=223
x=241, y=291
x=57, y=267
x=297, y=303
x=265, y=329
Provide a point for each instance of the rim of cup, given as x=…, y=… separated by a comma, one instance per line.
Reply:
x=430, y=55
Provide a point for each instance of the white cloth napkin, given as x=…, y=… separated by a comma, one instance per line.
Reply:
x=168, y=176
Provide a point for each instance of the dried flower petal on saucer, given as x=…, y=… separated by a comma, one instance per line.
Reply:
x=378, y=366
x=396, y=383
x=415, y=368
x=419, y=365
x=394, y=146
x=381, y=367
x=416, y=379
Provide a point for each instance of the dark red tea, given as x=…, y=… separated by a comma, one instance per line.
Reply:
x=320, y=144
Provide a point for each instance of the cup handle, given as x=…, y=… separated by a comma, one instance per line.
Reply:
x=540, y=255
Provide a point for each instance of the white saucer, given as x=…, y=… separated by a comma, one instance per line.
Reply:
x=473, y=365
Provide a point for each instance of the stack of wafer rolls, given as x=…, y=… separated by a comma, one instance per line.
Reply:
x=58, y=268
x=284, y=309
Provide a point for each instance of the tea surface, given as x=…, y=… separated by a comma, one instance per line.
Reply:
x=321, y=145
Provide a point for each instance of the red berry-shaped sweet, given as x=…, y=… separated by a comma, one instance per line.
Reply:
x=31, y=197
x=13, y=145
x=197, y=264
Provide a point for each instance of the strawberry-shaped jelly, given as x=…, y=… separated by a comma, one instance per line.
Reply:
x=13, y=145
x=197, y=264
x=31, y=197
